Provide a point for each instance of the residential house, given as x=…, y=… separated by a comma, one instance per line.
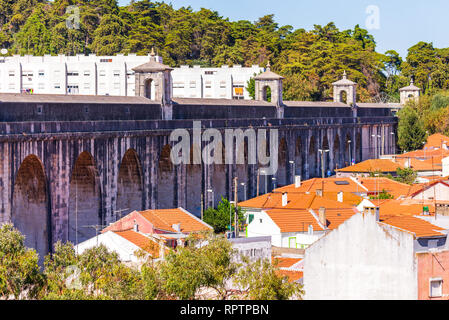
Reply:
x=374, y=257
x=294, y=220
x=369, y=167
x=133, y=247
x=173, y=225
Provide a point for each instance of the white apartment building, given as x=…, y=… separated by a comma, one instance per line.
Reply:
x=113, y=75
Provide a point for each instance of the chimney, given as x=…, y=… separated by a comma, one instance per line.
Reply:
x=340, y=196
x=284, y=199
x=136, y=226
x=297, y=181
x=322, y=216
x=319, y=192
x=177, y=227
x=377, y=213
x=408, y=163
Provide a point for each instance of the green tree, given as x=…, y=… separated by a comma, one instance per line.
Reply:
x=20, y=276
x=406, y=175
x=220, y=217
x=411, y=133
x=260, y=280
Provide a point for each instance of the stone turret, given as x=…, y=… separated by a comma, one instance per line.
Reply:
x=271, y=80
x=154, y=81
x=409, y=92
x=342, y=86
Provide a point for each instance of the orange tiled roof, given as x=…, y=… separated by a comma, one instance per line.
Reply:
x=407, y=207
x=164, y=219
x=141, y=241
x=417, y=226
x=294, y=220
x=378, y=184
x=291, y=275
x=283, y=262
x=436, y=141
x=295, y=201
x=373, y=165
x=336, y=217
x=326, y=184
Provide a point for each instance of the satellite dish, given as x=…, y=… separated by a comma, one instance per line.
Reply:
x=4, y=51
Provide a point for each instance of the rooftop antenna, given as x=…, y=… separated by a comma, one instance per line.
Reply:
x=119, y=213
x=97, y=228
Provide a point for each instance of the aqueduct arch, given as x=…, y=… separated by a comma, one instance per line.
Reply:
x=30, y=214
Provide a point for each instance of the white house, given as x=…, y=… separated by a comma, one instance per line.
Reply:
x=366, y=259
x=438, y=190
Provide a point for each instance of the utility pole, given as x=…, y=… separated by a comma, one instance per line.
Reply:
x=236, y=208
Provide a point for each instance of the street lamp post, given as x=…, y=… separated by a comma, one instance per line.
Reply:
x=244, y=190
x=274, y=183
x=322, y=151
x=350, y=153
x=213, y=200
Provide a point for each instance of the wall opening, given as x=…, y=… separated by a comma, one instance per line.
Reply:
x=344, y=96
x=166, y=180
x=30, y=206
x=84, y=201
x=129, y=185
x=266, y=93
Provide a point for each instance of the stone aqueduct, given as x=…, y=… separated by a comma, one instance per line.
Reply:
x=54, y=183
x=70, y=164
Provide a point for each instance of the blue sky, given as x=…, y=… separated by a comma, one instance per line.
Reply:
x=402, y=23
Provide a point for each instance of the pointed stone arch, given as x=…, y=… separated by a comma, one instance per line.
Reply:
x=129, y=184
x=166, y=180
x=348, y=150
x=336, y=152
x=30, y=207
x=283, y=159
x=84, y=200
x=299, y=155
x=326, y=156
x=194, y=178
x=312, y=157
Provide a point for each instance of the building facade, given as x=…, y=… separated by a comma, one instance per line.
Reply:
x=114, y=76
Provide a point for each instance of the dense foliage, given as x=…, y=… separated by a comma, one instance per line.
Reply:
x=309, y=60
x=220, y=217
x=204, y=269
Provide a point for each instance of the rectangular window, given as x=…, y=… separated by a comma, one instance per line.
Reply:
x=178, y=85
x=117, y=85
x=238, y=91
x=192, y=84
x=436, y=288
x=208, y=84
x=87, y=73
x=11, y=73
x=87, y=86
x=223, y=85
x=72, y=73
x=57, y=86
x=105, y=60
x=209, y=72
x=41, y=86
x=116, y=73
x=11, y=86
x=102, y=73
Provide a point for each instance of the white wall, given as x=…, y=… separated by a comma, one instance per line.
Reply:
x=113, y=75
x=362, y=259
x=436, y=192
x=265, y=228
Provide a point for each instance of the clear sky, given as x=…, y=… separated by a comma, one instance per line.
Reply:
x=401, y=23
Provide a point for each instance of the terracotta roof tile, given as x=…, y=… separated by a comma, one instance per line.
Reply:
x=164, y=219
x=419, y=227
x=291, y=275
x=283, y=262
x=373, y=165
x=141, y=241
x=327, y=185
x=294, y=220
